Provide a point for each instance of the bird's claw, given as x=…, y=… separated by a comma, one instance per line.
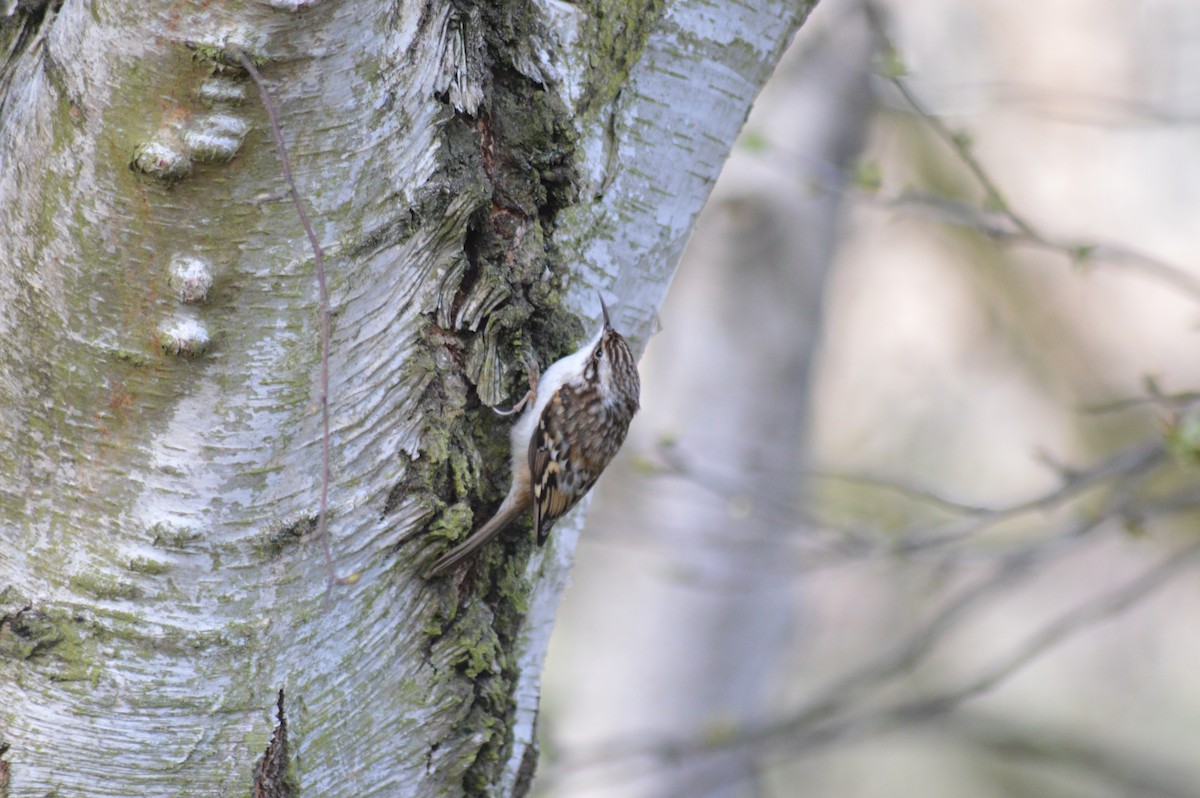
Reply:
x=530, y=397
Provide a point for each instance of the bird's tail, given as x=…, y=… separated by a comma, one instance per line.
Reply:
x=510, y=509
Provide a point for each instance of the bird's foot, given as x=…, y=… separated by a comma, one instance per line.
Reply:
x=530, y=398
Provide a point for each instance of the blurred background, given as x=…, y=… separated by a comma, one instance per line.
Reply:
x=911, y=505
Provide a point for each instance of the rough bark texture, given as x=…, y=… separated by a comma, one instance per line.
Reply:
x=474, y=172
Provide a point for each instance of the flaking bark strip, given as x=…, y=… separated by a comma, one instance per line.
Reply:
x=274, y=776
x=500, y=305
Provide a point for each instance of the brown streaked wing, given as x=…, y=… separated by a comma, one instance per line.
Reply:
x=555, y=489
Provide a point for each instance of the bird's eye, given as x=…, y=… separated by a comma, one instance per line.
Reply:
x=599, y=353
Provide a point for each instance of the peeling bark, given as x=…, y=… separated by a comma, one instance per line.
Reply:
x=273, y=777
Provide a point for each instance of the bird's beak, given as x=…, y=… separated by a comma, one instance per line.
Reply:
x=604, y=310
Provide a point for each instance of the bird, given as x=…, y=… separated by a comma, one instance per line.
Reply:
x=576, y=416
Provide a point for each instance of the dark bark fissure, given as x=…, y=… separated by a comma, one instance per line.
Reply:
x=274, y=776
x=503, y=308
x=18, y=32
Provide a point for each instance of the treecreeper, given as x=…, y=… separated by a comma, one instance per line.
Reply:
x=574, y=420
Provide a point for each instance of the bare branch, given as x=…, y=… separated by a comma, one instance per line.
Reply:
x=1129, y=466
x=818, y=724
x=1112, y=765
x=995, y=203
x=1138, y=461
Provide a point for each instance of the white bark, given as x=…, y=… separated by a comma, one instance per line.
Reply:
x=159, y=439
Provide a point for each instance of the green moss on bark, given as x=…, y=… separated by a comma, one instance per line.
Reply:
x=616, y=34
x=504, y=307
x=52, y=640
x=280, y=536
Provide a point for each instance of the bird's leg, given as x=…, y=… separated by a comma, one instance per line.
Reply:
x=530, y=398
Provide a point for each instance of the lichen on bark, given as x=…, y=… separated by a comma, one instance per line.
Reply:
x=616, y=34
x=500, y=305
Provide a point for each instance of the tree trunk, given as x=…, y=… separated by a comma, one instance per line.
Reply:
x=474, y=172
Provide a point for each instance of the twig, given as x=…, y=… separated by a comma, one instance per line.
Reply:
x=1024, y=232
x=1058, y=631
x=956, y=141
x=833, y=698
x=905, y=488
x=956, y=212
x=1112, y=765
x=1173, y=402
x=322, y=532
x=808, y=730
x=1137, y=460
x=924, y=709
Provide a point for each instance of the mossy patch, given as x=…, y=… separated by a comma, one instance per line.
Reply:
x=500, y=306
x=479, y=645
x=282, y=535
x=104, y=586
x=226, y=55
x=168, y=537
x=145, y=565
x=615, y=38
x=452, y=523
x=51, y=639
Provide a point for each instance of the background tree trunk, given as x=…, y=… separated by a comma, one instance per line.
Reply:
x=474, y=173
x=699, y=637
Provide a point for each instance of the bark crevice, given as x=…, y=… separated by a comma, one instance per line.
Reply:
x=274, y=776
x=502, y=306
